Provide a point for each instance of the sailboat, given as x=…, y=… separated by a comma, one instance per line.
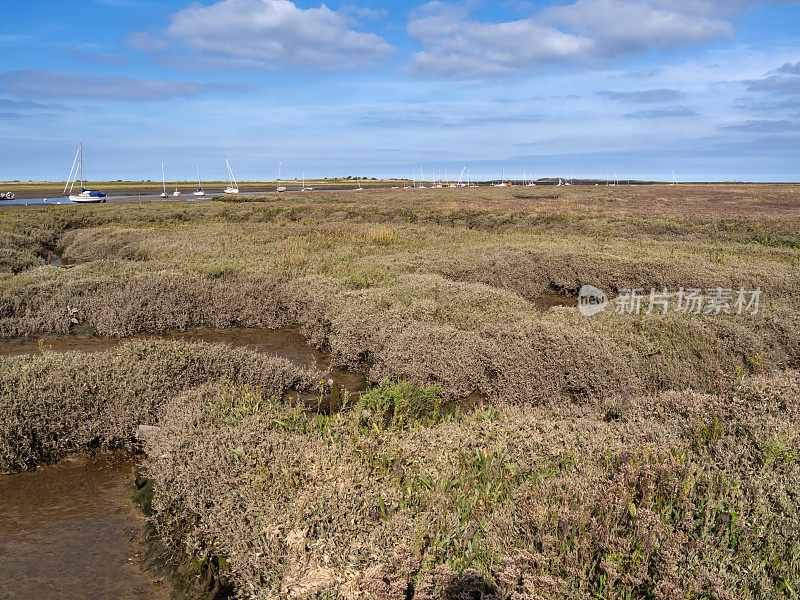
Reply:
x=176, y=192
x=233, y=188
x=304, y=188
x=85, y=196
x=163, y=182
x=281, y=188
x=358, y=182
x=503, y=182
x=200, y=191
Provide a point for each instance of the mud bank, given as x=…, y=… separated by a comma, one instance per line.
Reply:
x=72, y=530
x=285, y=343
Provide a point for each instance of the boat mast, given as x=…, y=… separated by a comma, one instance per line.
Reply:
x=230, y=173
x=80, y=150
x=72, y=174
x=199, y=183
x=163, y=180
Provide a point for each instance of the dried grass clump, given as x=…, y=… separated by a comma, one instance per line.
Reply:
x=678, y=495
x=24, y=247
x=51, y=403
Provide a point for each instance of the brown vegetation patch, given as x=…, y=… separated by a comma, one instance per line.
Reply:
x=554, y=502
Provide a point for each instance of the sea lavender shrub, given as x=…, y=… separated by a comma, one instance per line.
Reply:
x=440, y=287
x=682, y=495
x=55, y=403
x=618, y=456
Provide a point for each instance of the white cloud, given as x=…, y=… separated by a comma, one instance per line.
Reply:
x=144, y=42
x=276, y=31
x=654, y=96
x=714, y=7
x=456, y=45
x=628, y=26
x=583, y=31
x=60, y=84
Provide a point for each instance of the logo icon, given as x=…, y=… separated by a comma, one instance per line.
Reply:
x=591, y=300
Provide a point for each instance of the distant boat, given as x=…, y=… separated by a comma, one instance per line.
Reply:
x=176, y=192
x=358, y=181
x=200, y=191
x=163, y=182
x=233, y=187
x=86, y=196
x=304, y=188
x=503, y=182
x=6, y=195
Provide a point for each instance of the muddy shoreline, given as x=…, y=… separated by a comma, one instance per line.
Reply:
x=73, y=530
x=286, y=343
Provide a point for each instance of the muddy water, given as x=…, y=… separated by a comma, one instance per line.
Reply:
x=548, y=301
x=72, y=531
x=287, y=343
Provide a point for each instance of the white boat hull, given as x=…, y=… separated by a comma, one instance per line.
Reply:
x=87, y=199
x=231, y=190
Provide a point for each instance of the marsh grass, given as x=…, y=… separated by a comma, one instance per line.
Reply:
x=614, y=457
x=438, y=287
x=56, y=403
x=683, y=495
x=401, y=404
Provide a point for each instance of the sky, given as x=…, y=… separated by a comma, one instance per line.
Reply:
x=626, y=89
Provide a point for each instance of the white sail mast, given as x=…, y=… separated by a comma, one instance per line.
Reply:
x=230, y=174
x=80, y=163
x=72, y=173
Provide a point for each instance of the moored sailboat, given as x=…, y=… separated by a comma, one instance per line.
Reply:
x=233, y=187
x=163, y=182
x=85, y=196
x=200, y=191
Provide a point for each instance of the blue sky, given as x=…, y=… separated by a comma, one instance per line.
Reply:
x=637, y=88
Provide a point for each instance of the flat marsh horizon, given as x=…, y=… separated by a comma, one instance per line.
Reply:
x=506, y=447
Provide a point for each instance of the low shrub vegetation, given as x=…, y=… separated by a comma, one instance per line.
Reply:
x=55, y=403
x=682, y=495
x=507, y=450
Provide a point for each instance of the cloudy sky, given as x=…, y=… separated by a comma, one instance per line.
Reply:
x=637, y=88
